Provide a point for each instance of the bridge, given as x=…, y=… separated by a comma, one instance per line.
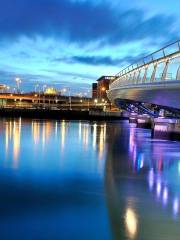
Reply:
x=151, y=84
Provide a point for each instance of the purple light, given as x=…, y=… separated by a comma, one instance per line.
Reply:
x=165, y=195
x=132, y=140
x=151, y=179
x=142, y=161
x=158, y=189
x=175, y=206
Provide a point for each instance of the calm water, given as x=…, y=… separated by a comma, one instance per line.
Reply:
x=81, y=180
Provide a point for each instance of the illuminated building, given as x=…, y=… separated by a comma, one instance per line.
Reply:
x=51, y=91
x=2, y=87
x=103, y=85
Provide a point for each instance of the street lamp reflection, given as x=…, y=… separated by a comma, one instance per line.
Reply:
x=131, y=222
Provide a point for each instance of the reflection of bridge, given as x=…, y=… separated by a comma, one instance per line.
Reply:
x=153, y=81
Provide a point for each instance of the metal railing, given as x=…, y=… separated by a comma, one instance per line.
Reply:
x=137, y=73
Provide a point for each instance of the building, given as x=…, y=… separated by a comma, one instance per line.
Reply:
x=103, y=85
x=2, y=87
x=94, y=90
x=51, y=91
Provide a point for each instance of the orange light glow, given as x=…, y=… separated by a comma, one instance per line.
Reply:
x=103, y=89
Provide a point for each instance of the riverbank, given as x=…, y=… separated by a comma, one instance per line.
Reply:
x=60, y=114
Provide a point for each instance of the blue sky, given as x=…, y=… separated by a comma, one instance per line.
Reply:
x=71, y=43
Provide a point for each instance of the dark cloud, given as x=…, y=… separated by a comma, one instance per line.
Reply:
x=101, y=60
x=80, y=22
x=75, y=75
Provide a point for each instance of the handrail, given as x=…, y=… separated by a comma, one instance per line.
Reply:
x=131, y=68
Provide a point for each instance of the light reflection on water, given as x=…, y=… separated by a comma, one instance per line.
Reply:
x=147, y=176
x=90, y=180
x=131, y=222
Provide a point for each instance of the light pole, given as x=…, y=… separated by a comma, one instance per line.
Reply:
x=87, y=98
x=7, y=89
x=103, y=89
x=43, y=88
x=69, y=93
x=39, y=97
x=81, y=101
x=95, y=101
x=35, y=87
x=37, y=91
x=18, y=81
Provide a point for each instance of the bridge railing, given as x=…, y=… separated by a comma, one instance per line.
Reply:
x=138, y=73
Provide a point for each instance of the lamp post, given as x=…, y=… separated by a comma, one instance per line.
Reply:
x=81, y=101
x=35, y=87
x=37, y=91
x=103, y=89
x=7, y=89
x=43, y=88
x=18, y=81
x=95, y=101
x=69, y=93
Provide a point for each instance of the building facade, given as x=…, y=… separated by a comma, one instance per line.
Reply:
x=103, y=85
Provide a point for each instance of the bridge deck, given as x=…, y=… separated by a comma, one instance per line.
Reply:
x=166, y=93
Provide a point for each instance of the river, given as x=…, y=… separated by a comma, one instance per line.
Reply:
x=87, y=180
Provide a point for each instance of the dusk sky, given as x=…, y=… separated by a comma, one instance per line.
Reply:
x=71, y=43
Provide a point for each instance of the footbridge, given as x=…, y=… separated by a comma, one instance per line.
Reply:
x=151, y=84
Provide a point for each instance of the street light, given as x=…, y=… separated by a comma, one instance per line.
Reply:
x=18, y=81
x=95, y=101
x=103, y=89
x=44, y=87
x=35, y=88
x=7, y=88
x=69, y=92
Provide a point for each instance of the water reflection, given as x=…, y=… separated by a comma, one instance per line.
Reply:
x=148, y=174
x=61, y=136
x=131, y=222
x=85, y=136
x=94, y=135
x=13, y=140
x=7, y=136
x=36, y=132
x=16, y=141
x=112, y=175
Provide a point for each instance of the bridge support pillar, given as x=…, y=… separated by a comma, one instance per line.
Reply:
x=133, y=118
x=140, y=121
x=144, y=121
x=167, y=129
